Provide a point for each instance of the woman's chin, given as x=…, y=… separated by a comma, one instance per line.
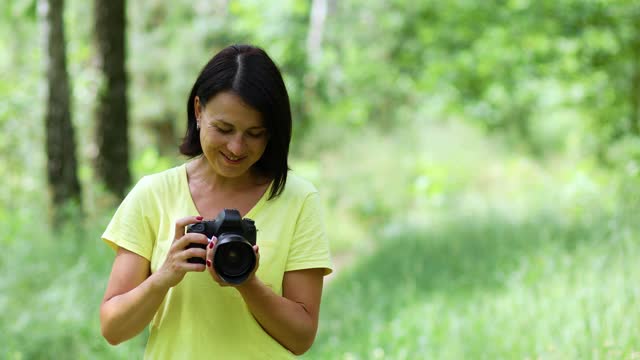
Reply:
x=231, y=171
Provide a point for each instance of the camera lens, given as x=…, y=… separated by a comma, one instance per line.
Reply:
x=235, y=259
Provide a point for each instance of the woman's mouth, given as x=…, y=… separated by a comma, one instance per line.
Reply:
x=232, y=159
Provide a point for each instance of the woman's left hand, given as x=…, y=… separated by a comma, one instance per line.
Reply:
x=214, y=274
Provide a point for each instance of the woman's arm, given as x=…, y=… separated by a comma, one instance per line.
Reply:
x=133, y=295
x=291, y=319
x=131, y=299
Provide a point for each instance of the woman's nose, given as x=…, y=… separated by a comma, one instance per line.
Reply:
x=236, y=145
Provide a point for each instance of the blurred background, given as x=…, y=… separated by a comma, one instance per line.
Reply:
x=478, y=161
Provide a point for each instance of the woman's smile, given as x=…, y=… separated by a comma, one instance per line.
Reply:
x=233, y=160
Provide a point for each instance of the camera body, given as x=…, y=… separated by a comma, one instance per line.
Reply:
x=233, y=256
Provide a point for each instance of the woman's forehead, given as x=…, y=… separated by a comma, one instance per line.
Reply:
x=231, y=109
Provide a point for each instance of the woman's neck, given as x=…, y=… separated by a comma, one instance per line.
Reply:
x=200, y=171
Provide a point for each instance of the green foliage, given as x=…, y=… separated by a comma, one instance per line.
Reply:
x=458, y=146
x=547, y=76
x=505, y=66
x=51, y=297
x=150, y=162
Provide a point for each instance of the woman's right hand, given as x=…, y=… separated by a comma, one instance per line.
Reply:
x=176, y=264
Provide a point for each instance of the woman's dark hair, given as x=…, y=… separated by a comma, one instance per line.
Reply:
x=249, y=73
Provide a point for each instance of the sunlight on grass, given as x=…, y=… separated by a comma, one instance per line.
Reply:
x=494, y=290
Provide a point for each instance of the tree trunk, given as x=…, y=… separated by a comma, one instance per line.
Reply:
x=112, y=162
x=61, y=158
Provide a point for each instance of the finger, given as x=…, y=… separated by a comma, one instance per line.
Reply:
x=210, y=246
x=256, y=250
x=181, y=223
x=210, y=264
x=190, y=238
x=209, y=257
x=214, y=274
x=194, y=267
x=193, y=252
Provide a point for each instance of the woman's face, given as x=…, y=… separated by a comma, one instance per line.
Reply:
x=232, y=134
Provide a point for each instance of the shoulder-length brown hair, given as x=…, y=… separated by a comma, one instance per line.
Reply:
x=248, y=72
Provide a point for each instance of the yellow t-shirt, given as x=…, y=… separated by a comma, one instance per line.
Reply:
x=198, y=319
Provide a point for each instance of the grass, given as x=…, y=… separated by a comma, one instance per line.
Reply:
x=488, y=288
x=483, y=287
x=50, y=292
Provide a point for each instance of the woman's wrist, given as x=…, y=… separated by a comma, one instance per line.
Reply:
x=249, y=285
x=157, y=283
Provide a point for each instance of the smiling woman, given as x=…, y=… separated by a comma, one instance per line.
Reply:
x=237, y=139
x=260, y=94
x=231, y=135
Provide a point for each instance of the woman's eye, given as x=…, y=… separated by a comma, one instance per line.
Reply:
x=224, y=131
x=256, y=134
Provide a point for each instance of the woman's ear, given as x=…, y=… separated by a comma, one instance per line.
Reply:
x=197, y=110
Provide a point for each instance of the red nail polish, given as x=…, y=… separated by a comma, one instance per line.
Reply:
x=199, y=218
x=208, y=263
x=211, y=244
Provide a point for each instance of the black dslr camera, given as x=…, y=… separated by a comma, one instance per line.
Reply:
x=233, y=256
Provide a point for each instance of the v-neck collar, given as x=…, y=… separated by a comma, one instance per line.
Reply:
x=184, y=184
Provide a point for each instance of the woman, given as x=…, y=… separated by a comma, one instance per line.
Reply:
x=238, y=134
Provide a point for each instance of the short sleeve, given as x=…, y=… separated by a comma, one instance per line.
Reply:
x=130, y=226
x=310, y=246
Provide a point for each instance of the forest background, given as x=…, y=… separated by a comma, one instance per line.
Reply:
x=478, y=163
